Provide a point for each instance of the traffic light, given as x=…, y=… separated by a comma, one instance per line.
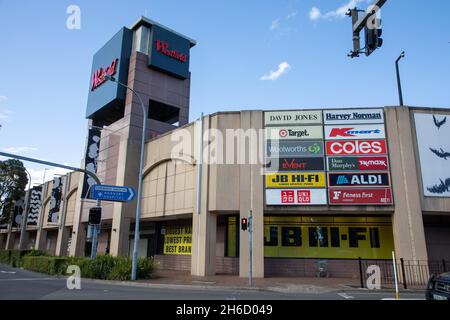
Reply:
x=373, y=39
x=95, y=215
x=244, y=224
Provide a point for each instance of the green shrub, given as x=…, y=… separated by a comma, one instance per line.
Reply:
x=145, y=268
x=121, y=270
x=5, y=256
x=48, y=265
x=38, y=253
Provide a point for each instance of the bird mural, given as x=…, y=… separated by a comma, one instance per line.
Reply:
x=441, y=188
x=441, y=153
x=438, y=123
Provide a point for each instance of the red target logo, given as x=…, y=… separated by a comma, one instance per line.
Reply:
x=283, y=133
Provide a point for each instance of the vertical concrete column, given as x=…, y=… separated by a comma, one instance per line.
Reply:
x=78, y=231
x=63, y=236
x=251, y=183
x=23, y=228
x=10, y=239
x=123, y=213
x=204, y=224
x=407, y=222
x=41, y=234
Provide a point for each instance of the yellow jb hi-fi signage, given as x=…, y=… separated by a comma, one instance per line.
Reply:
x=178, y=240
x=295, y=180
x=328, y=237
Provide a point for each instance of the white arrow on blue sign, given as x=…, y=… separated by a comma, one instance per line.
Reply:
x=113, y=193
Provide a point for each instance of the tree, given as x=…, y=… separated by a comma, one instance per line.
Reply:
x=13, y=180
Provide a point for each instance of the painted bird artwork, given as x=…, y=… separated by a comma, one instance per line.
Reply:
x=438, y=123
x=441, y=153
x=441, y=188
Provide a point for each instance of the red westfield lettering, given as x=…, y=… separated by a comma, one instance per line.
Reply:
x=163, y=47
x=356, y=147
x=98, y=77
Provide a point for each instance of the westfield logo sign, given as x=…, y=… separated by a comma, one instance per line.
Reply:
x=163, y=47
x=98, y=77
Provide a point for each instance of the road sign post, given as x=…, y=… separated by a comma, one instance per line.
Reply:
x=113, y=193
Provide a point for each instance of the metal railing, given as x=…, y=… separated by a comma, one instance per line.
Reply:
x=410, y=273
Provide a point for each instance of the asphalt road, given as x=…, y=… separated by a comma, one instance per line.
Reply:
x=17, y=284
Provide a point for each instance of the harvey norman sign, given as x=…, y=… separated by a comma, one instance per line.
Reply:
x=353, y=116
x=292, y=118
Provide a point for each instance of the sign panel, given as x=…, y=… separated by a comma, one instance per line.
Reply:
x=178, y=240
x=433, y=132
x=358, y=179
x=277, y=118
x=353, y=116
x=112, y=59
x=113, y=193
x=369, y=131
x=169, y=52
x=294, y=133
x=296, y=196
x=350, y=196
x=296, y=164
x=357, y=163
x=55, y=201
x=356, y=147
x=328, y=237
x=291, y=148
x=34, y=206
x=295, y=180
x=90, y=160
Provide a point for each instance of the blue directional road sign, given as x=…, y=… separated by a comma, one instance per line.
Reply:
x=113, y=193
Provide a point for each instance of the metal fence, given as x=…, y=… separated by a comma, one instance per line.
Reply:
x=410, y=273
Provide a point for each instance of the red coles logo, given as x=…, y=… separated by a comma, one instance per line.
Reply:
x=98, y=77
x=356, y=147
x=163, y=47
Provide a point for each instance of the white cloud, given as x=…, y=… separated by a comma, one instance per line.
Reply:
x=19, y=149
x=3, y=98
x=273, y=75
x=291, y=15
x=340, y=12
x=38, y=175
x=275, y=24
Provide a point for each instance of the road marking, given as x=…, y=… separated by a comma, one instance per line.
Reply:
x=30, y=279
x=345, y=296
x=414, y=299
x=8, y=272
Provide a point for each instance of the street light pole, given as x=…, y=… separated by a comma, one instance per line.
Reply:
x=399, y=85
x=141, y=168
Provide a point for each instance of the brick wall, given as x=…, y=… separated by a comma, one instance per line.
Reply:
x=227, y=265
x=173, y=262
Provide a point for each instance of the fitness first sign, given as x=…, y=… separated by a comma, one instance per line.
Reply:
x=360, y=116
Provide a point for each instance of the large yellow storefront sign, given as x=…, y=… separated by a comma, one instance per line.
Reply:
x=328, y=237
x=295, y=180
x=178, y=240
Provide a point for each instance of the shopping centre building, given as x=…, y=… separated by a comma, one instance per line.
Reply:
x=332, y=185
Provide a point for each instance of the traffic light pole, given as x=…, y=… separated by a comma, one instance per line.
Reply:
x=250, y=249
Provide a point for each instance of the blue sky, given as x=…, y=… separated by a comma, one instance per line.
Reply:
x=45, y=68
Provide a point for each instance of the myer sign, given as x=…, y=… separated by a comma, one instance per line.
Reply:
x=292, y=118
x=353, y=116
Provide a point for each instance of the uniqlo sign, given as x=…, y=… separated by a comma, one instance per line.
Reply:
x=379, y=196
x=356, y=147
x=296, y=197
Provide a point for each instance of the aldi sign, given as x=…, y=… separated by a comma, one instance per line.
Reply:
x=296, y=180
x=292, y=118
x=296, y=197
x=374, y=131
x=353, y=116
x=357, y=163
x=294, y=133
x=356, y=147
x=381, y=196
x=358, y=179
